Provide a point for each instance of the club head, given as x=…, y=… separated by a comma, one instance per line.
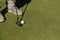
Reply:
x=18, y=23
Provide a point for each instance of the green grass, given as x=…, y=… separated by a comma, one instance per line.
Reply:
x=42, y=22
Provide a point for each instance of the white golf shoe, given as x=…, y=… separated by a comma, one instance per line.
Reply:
x=1, y=18
x=12, y=8
x=16, y=12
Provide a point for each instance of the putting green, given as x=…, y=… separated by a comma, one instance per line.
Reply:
x=42, y=19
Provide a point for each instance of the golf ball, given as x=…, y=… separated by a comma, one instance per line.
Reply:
x=22, y=22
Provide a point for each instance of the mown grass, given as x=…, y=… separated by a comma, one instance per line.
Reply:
x=42, y=22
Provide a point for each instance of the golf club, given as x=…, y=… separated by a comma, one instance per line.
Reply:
x=20, y=22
